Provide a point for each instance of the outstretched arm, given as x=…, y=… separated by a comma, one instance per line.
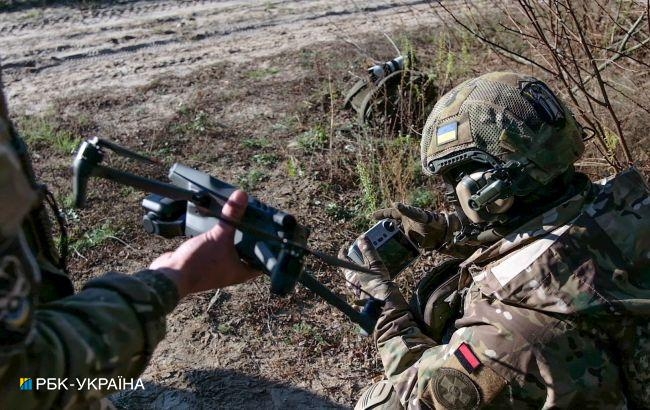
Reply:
x=110, y=328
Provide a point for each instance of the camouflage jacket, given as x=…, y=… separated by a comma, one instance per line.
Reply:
x=107, y=330
x=555, y=314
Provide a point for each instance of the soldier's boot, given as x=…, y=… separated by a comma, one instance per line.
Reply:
x=379, y=396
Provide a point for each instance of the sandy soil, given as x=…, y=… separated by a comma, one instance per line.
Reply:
x=58, y=51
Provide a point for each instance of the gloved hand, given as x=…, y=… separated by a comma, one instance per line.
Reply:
x=376, y=283
x=426, y=229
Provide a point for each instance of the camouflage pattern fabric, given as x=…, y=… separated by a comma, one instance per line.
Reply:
x=107, y=330
x=502, y=114
x=555, y=314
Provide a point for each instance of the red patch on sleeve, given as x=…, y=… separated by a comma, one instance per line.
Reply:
x=467, y=358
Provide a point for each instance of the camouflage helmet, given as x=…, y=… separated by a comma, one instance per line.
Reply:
x=500, y=117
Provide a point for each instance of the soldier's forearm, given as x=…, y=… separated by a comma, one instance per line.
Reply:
x=108, y=330
x=399, y=339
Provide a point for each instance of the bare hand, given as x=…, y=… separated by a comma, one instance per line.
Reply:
x=208, y=261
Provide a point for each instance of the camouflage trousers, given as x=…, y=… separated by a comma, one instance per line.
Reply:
x=512, y=357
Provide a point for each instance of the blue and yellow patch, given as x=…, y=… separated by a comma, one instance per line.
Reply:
x=26, y=383
x=447, y=133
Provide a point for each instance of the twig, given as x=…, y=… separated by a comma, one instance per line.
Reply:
x=493, y=44
x=79, y=254
x=390, y=40
x=213, y=300
x=603, y=91
x=617, y=57
x=120, y=241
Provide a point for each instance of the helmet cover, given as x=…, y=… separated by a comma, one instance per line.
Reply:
x=509, y=117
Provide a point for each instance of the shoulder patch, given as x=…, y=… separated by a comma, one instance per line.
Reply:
x=467, y=357
x=453, y=389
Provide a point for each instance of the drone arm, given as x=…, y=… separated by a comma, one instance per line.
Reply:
x=366, y=320
x=144, y=184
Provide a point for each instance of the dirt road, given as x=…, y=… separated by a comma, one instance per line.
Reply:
x=59, y=51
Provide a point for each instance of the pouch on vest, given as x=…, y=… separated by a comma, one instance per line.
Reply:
x=437, y=302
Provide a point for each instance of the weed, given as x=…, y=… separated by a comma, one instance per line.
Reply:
x=262, y=73
x=423, y=197
x=370, y=198
x=266, y=160
x=67, y=201
x=165, y=153
x=225, y=328
x=251, y=180
x=93, y=238
x=127, y=191
x=307, y=331
x=256, y=143
x=200, y=122
x=67, y=208
x=338, y=212
x=611, y=140
x=44, y=130
x=294, y=170
x=313, y=140
x=193, y=122
x=287, y=124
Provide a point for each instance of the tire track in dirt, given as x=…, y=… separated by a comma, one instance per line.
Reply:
x=201, y=36
x=64, y=50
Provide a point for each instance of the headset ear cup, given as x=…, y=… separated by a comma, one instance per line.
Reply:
x=470, y=185
x=500, y=206
x=464, y=194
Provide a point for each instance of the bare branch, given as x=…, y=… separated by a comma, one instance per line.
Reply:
x=601, y=85
x=493, y=44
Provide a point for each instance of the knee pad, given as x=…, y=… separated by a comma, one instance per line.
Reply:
x=380, y=395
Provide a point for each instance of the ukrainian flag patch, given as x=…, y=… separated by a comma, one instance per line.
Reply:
x=447, y=133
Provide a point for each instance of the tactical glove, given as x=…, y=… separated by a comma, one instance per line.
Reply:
x=376, y=283
x=428, y=230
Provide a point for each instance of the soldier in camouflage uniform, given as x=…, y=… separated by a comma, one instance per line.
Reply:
x=111, y=327
x=556, y=295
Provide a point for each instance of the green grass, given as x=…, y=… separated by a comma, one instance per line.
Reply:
x=252, y=179
x=294, y=169
x=313, y=140
x=43, y=130
x=423, y=197
x=267, y=160
x=93, y=238
x=370, y=196
x=262, y=73
x=256, y=143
